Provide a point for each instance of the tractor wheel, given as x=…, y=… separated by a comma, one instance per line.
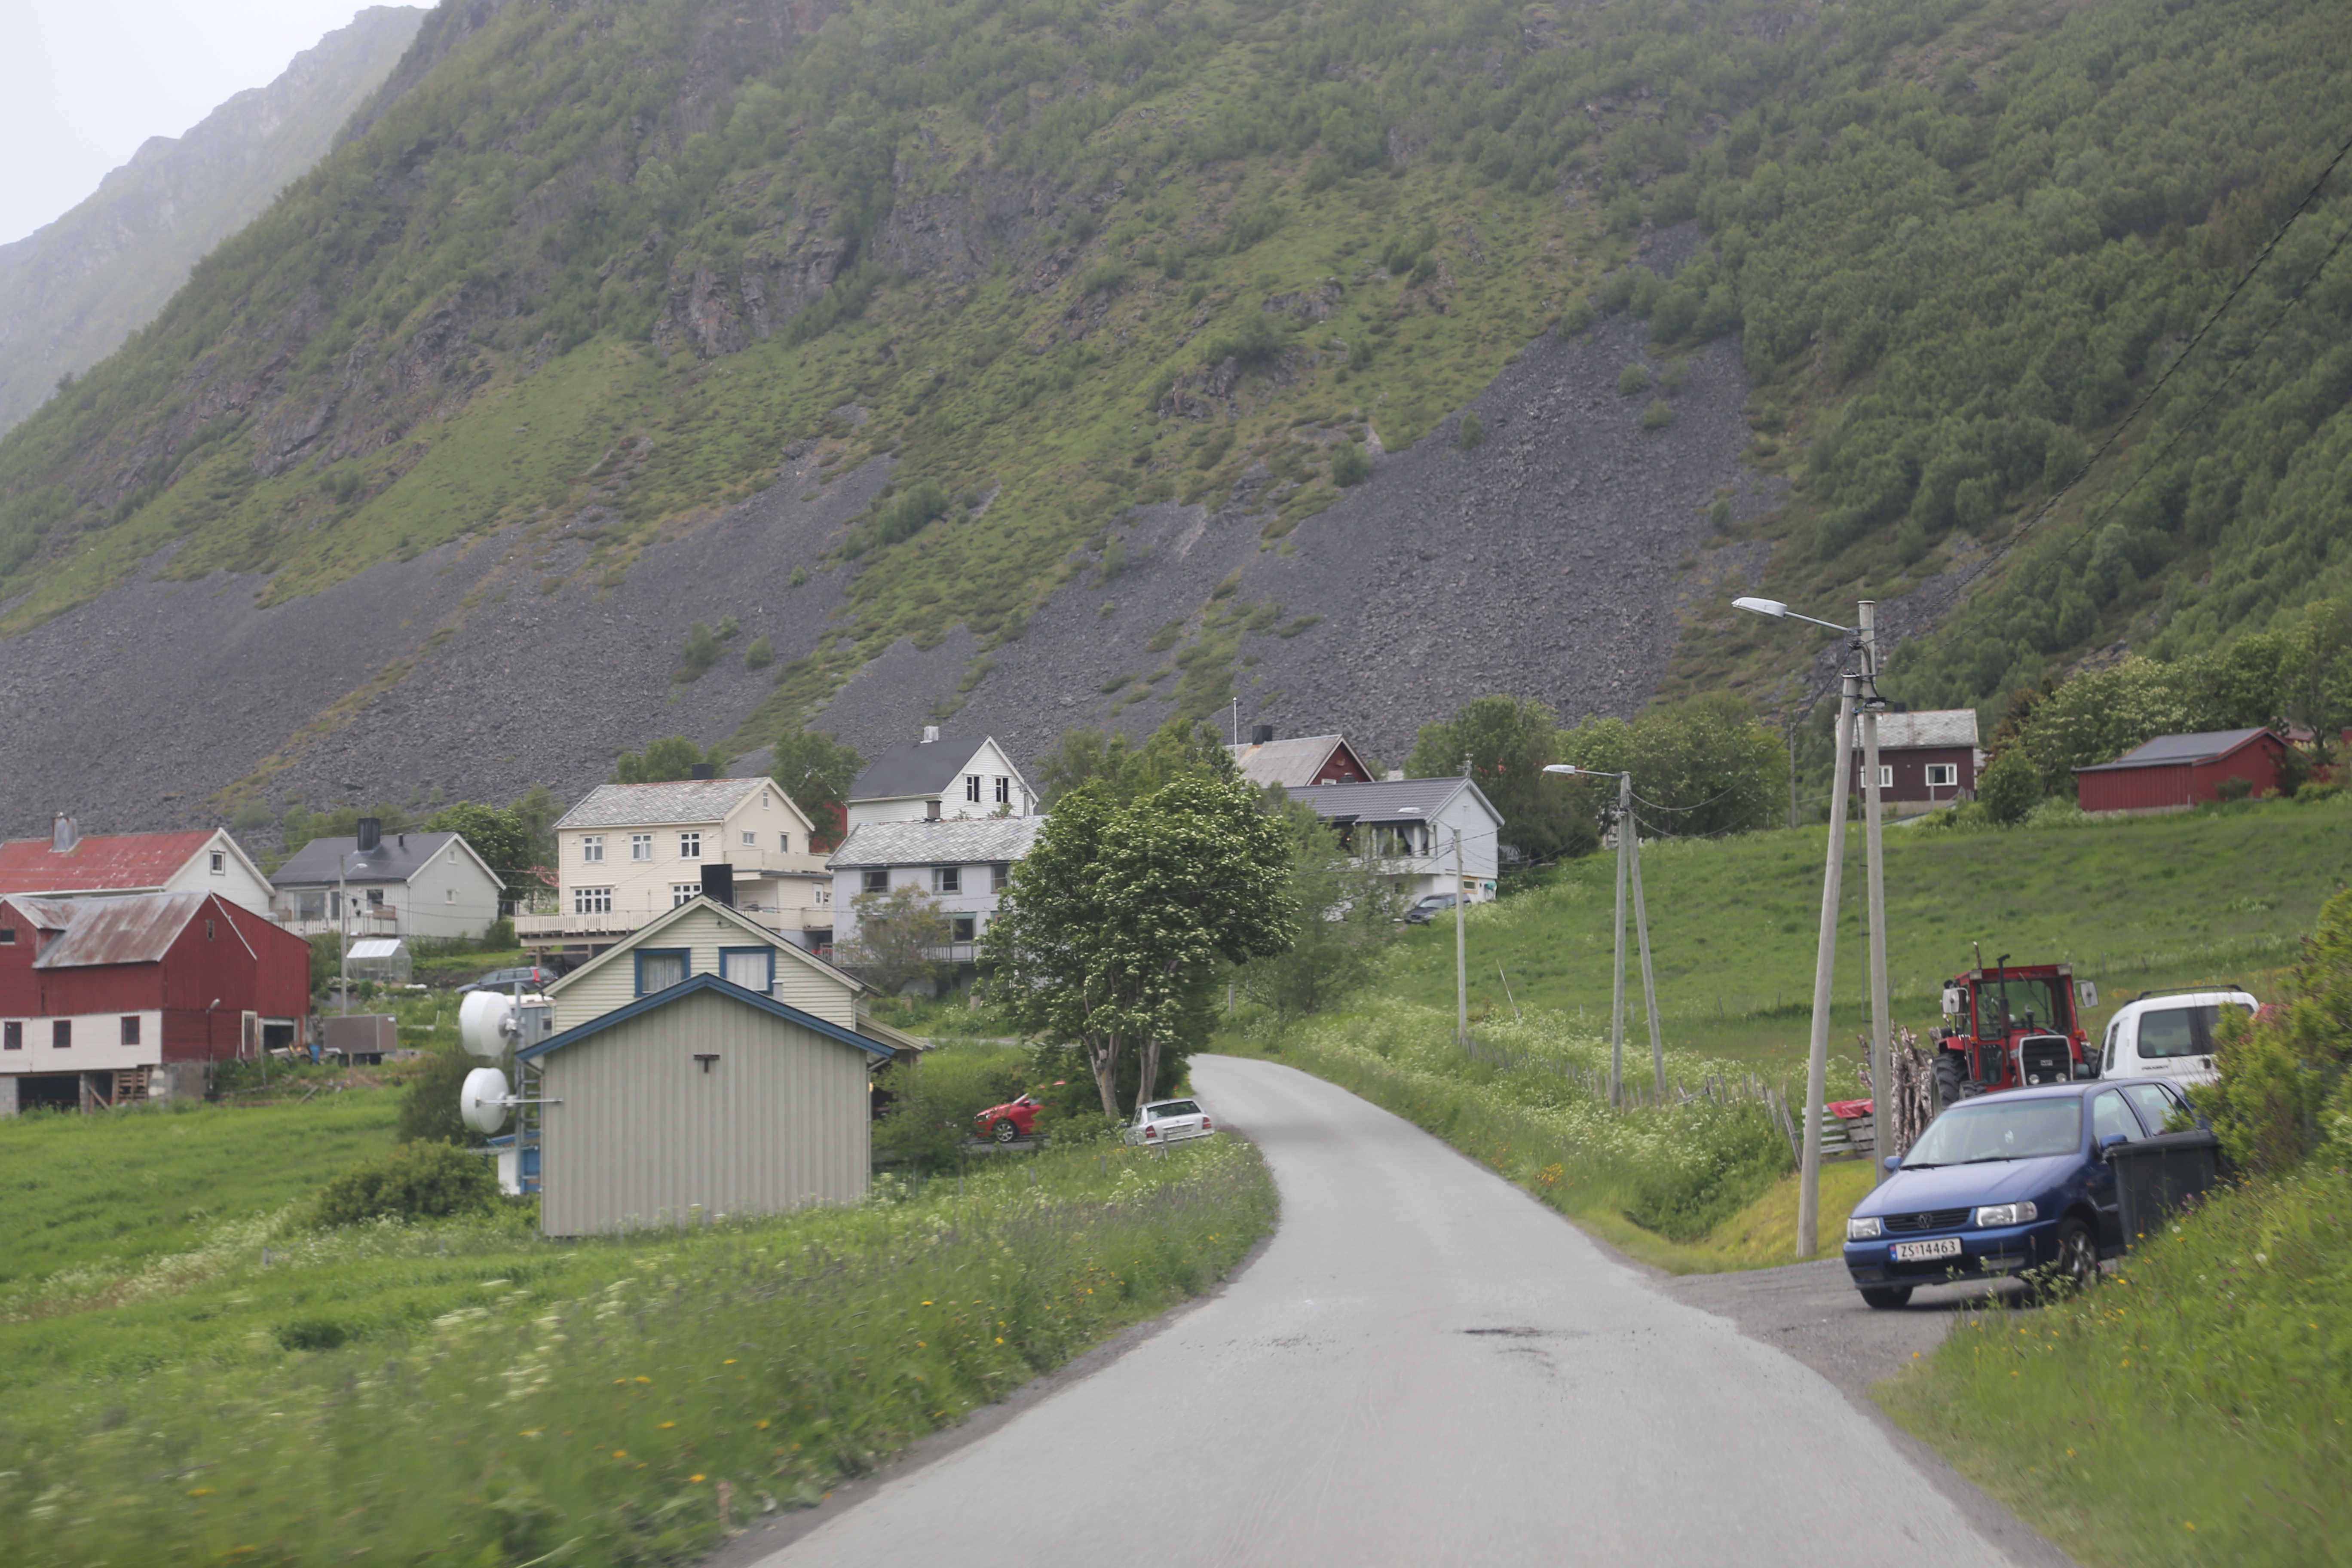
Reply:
x=1887, y=1297
x=1951, y=1079
x=1005, y=1131
x=2076, y=1265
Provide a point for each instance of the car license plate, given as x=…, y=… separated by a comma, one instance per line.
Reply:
x=1918, y=1251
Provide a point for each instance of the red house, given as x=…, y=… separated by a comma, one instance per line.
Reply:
x=1925, y=759
x=101, y=997
x=2173, y=773
x=1300, y=764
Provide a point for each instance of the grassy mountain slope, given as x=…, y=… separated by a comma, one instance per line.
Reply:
x=71, y=293
x=593, y=271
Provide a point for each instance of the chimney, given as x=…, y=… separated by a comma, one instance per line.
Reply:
x=63, y=835
x=1394, y=775
x=705, y=770
x=930, y=733
x=718, y=883
x=1261, y=734
x=930, y=811
x=371, y=834
x=402, y=840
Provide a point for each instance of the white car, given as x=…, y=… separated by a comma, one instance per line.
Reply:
x=2168, y=1037
x=1165, y=1122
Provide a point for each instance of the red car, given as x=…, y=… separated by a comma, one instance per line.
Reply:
x=1013, y=1118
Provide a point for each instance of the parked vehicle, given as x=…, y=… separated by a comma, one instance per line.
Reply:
x=1170, y=1121
x=2005, y=1185
x=1016, y=1118
x=2012, y=1027
x=2169, y=1033
x=1428, y=907
x=533, y=977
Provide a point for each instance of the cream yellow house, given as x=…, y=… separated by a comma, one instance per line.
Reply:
x=628, y=853
x=703, y=936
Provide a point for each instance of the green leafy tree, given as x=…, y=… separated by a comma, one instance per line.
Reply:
x=899, y=935
x=1509, y=742
x=539, y=810
x=494, y=833
x=2008, y=787
x=816, y=772
x=1178, y=749
x=1700, y=768
x=428, y=1105
x=1347, y=913
x=664, y=761
x=2284, y=1092
x=1117, y=925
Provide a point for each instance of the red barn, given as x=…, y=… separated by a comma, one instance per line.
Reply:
x=96, y=993
x=2173, y=773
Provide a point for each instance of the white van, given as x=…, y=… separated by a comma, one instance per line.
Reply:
x=2169, y=1036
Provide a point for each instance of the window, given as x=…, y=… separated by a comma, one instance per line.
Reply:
x=208, y=930
x=690, y=846
x=960, y=928
x=753, y=968
x=592, y=849
x=971, y=788
x=1004, y=792
x=592, y=901
x=2110, y=1116
x=7, y=935
x=641, y=846
x=763, y=800
x=873, y=879
x=1886, y=776
x=750, y=841
x=660, y=968
x=11, y=1037
x=1943, y=776
x=999, y=875
x=61, y=1034
x=947, y=879
x=448, y=895
x=823, y=897
x=130, y=1029
x=784, y=842
x=220, y=862
x=683, y=893
x=2155, y=1103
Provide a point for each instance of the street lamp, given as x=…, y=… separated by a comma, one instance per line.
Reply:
x=1858, y=690
x=1628, y=857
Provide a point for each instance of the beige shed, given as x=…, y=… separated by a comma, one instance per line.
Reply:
x=701, y=1096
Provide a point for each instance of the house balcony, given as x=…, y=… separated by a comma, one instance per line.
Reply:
x=616, y=923
x=363, y=922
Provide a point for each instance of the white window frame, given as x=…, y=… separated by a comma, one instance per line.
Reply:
x=971, y=788
x=873, y=879
x=592, y=849
x=220, y=862
x=947, y=879
x=1862, y=776
x=1943, y=776
x=448, y=895
x=784, y=843
x=750, y=839
x=683, y=893
x=592, y=901
x=823, y=897
x=690, y=846
x=641, y=846
x=1003, y=789
x=998, y=876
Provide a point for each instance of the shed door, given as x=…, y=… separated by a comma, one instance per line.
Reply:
x=752, y=971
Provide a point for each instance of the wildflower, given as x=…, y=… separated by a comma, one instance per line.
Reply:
x=729, y=1362
x=694, y=1478
x=763, y=1426
x=620, y=1453
x=645, y=1380
x=667, y=1425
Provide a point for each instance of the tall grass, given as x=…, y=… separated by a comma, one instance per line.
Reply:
x=607, y=1402
x=2190, y=1409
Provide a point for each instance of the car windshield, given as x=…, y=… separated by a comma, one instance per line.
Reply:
x=1173, y=1107
x=2043, y=998
x=2001, y=1129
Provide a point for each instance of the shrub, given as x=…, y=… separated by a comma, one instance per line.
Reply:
x=1632, y=380
x=1577, y=320
x=760, y=655
x=2282, y=1090
x=415, y=1181
x=2233, y=788
x=1658, y=415
x=2009, y=787
x=1349, y=466
x=1472, y=435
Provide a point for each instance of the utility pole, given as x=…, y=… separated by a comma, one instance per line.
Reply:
x=1649, y=980
x=1809, y=1179
x=1617, y=982
x=343, y=925
x=1874, y=850
x=1790, y=726
x=1461, y=952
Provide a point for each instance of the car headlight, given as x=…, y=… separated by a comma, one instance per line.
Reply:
x=1863, y=1229
x=2005, y=1213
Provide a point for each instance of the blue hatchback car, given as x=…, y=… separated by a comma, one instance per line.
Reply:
x=2004, y=1183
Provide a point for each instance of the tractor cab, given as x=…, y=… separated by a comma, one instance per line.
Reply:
x=2012, y=1027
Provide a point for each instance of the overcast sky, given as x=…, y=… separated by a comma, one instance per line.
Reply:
x=85, y=85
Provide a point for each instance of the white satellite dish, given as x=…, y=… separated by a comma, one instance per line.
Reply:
x=483, y=1101
x=487, y=1021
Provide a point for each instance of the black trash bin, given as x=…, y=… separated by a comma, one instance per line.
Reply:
x=2157, y=1175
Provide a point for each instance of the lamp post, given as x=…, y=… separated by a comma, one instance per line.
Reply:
x=1629, y=866
x=1858, y=691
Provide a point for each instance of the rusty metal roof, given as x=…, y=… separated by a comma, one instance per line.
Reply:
x=136, y=929
x=122, y=860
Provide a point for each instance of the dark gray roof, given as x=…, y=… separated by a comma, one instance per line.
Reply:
x=2177, y=748
x=919, y=767
x=1388, y=800
x=396, y=859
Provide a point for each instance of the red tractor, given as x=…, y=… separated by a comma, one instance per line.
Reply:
x=2011, y=1026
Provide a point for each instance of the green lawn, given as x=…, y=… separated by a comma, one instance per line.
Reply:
x=2132, y=904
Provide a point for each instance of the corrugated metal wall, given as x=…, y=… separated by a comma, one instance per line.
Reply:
x=645, y=1135
x=613, y=983
x=2135, y=789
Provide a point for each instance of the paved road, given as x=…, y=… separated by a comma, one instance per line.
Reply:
x=1425, y=1366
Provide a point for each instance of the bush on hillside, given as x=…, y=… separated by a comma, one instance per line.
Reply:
x=415, y=1181
x=2009, y=788
x=428, y=1107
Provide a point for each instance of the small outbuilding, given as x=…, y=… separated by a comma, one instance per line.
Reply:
x=1926, y=759
x=2173, y=773
x=704, y=1098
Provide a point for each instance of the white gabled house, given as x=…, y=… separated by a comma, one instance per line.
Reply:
x=939, y=778
x=963, y=865
x=1407, y=828
x=67, y=866
x=378, y=885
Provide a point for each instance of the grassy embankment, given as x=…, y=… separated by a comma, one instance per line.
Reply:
x=174, y=1392
x=2153, y=902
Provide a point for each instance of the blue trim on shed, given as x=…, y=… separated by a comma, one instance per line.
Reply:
x=690, y=986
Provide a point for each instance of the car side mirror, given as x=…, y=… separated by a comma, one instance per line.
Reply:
x=1893, y=1161
x=2110, y=1142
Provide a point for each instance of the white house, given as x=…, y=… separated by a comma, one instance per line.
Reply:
x=67, y=866
x=397, y=885
x=963, y=865
x=1407, y=826
x=939, y=778
x=629, y=853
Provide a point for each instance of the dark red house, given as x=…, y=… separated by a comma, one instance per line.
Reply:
x=97, y=994
x=1299, y=764
x=2173, y=773
x=1925, y=759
